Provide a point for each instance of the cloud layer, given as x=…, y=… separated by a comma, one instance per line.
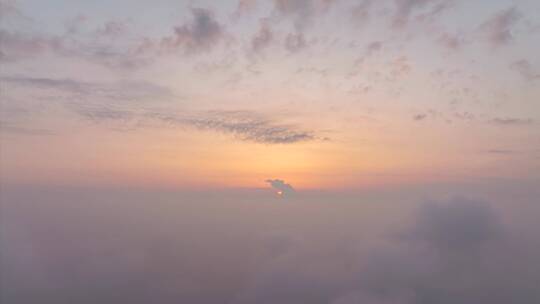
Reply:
x=245, y=248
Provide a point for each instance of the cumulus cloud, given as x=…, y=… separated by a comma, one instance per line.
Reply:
x=498, y=28
x=280, y=185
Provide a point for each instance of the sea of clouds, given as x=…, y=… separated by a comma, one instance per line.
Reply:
x=135, y=246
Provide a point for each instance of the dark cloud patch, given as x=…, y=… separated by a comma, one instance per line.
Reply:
x=202, y=33
x=419, y=117
x=459, y=224
x=498, y=28
x=247, y=126
x=524, y=68
x=302, y=12
x=112, y=29
x=451, y=41
x=295, y=42
x=280, y=185
x=373, y=47
x=263, y=38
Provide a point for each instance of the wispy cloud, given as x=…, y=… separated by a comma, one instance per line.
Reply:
x=510, y=121
x=122, y=90
x=244, y=125
x=501, y=151
x=86, y=100
x=8, y=128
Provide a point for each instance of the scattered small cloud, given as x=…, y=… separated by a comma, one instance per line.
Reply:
x=263, y=38
x=302, y=12
x=525, y=69
x=451, y=41
x=202, y=33
x=361, y=12
x=419, y=117
x=295, y=42
x=373, y=47
x=498, y=28
x=244, y=7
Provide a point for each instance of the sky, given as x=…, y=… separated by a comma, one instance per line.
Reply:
x=270, y=151
x=325, y=94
